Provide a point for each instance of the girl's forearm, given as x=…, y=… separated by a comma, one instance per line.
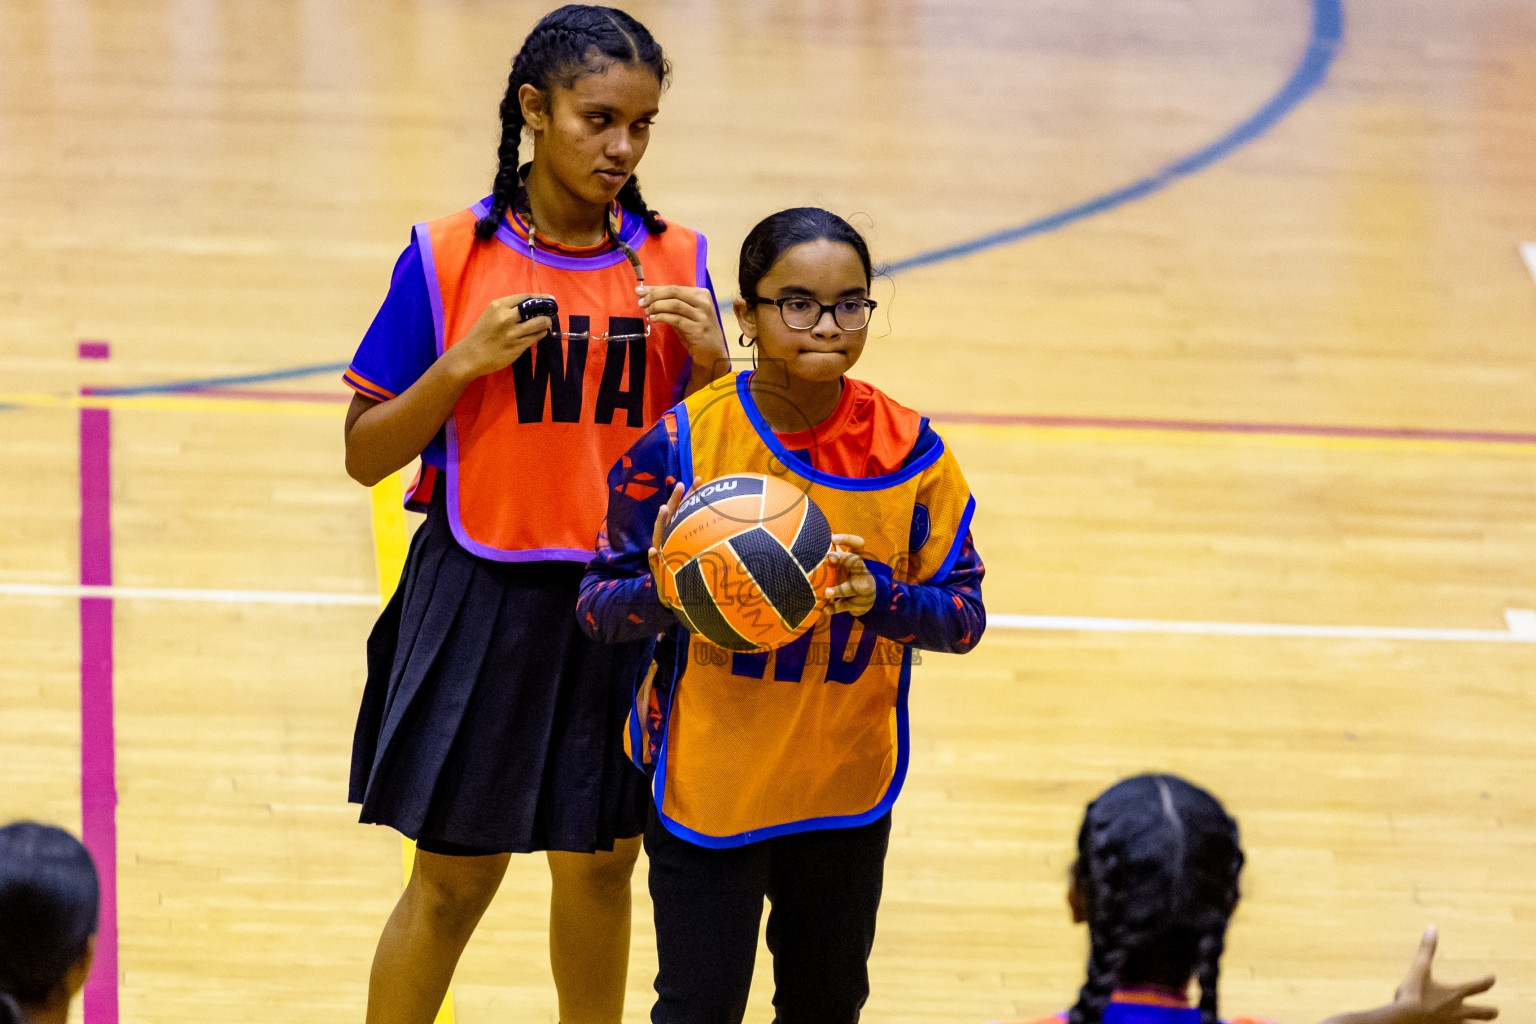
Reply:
x=946, y=616
x=383, y=437
x=613, y=608
x=1392, y=1013
x=706, y=370
x=949, y=619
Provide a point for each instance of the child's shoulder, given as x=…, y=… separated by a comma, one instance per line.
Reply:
x=865, y=392
x=669, y=225
x=871, y=404
x=463, y=219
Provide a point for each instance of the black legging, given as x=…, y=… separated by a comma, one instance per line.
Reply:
x=824, y=887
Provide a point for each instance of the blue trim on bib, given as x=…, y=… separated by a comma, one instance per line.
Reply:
x=954, y=549
x=796, y=465
x=636, y=738
x=684, y=447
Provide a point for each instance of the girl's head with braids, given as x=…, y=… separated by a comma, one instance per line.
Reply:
x=1156, y=882
x=586, y=86
x=49, y=902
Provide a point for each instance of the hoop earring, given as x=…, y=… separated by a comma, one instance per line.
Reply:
x=745, y=342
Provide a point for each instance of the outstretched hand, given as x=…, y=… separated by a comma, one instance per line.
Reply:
x=1423, y=1000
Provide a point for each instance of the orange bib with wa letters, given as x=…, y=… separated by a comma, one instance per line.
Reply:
x=814, y=734
x=529, y=446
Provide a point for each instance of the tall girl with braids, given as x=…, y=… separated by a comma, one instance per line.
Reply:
x=490, y=724
x=1155, y=880
x=50, y=900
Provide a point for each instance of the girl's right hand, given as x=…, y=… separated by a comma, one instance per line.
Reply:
x=498, y=338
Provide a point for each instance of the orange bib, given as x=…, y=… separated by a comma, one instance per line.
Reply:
x=529, y=446
x=814, y=734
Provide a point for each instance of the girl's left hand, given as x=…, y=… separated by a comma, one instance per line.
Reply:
x=691, y=312
x=856, y=594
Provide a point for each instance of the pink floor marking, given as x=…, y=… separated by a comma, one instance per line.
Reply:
x=98, y=755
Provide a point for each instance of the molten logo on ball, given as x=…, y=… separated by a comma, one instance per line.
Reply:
x=745, y=557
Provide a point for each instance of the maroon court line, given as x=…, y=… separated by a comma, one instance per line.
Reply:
x=1237, y=427
x=98, y=756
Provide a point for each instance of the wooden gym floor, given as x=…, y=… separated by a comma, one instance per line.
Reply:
x=1286, y=383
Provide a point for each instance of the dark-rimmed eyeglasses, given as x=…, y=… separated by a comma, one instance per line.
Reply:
x=802, y=312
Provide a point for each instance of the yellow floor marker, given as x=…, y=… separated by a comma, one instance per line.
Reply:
x=389, y=547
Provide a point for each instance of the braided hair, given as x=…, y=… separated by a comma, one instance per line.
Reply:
x=1157, y=865
x=49, y=902
x=575, y=40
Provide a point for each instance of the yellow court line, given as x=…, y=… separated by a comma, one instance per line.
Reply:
x=387, y=499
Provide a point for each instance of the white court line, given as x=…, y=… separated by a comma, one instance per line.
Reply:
x=1528, y=250
x=187, y=594
x=1092, y=625
x=1521, y=622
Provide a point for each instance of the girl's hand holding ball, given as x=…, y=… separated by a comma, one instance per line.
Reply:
x=856, y=594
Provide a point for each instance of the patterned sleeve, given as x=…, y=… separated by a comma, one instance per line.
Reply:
x=617, y=602
x=946, y=615
x=401, y=343
x=934, y=602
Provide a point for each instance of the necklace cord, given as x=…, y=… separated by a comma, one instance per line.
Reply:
x=612, y=230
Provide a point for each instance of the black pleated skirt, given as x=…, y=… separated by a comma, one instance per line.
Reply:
x=489, y=719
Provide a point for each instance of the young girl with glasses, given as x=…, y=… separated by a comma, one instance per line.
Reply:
x=489, y=723
x=1156, y=881
x=775, y=772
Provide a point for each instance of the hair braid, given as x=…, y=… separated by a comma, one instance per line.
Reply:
x=1109, y=934
x=1105, y=959
x=1208, y=971
x=505, y=187
x=631, y=200
x=1227, y=858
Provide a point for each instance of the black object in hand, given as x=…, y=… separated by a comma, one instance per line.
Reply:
x=536, y=306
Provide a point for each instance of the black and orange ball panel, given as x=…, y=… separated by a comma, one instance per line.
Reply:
x=745, y=558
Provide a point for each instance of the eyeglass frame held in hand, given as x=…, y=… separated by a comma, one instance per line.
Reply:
x=588, y=336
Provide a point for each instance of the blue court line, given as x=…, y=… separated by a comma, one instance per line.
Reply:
x=203, y=383
x=1322, y=47
x=1327, y=34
